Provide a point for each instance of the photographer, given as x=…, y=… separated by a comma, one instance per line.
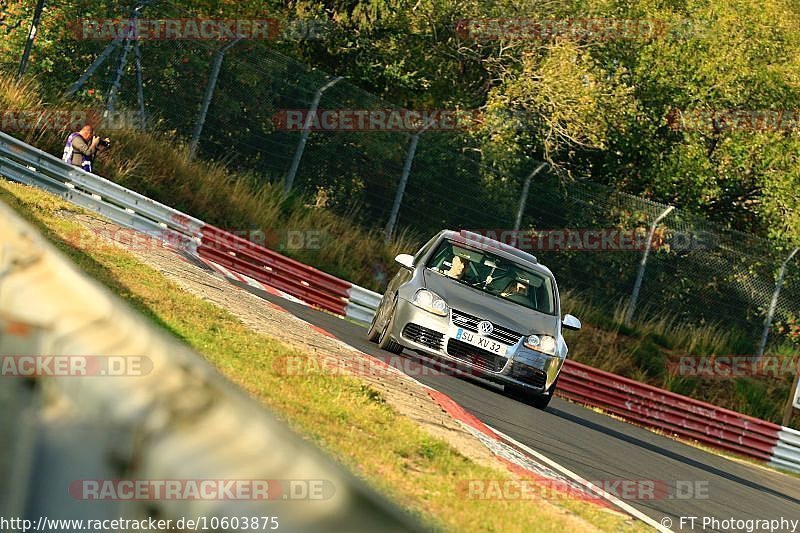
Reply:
x=83, y=146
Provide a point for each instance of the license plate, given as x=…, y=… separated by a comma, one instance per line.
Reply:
x=481, y=342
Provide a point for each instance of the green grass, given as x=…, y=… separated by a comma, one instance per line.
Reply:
x=348, y=419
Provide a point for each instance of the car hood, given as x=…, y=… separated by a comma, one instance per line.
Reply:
x=480, y=304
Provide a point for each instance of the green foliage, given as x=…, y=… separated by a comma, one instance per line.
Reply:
x=588, y=105
x=649, y=357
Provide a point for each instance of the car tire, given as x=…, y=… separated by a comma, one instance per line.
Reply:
x=385, y=341
x=372, y=333
x=539, y=401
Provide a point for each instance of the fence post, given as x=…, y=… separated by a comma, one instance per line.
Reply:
x=773, y=304
x=301, y=144
x=401, y=187
x=96, y=63
x=26, y=54
x=524, y=196
x=123, y=61
x=139, y=88
x=640, y=275
x=210, y=87
x=99, y=60
x=794, y=393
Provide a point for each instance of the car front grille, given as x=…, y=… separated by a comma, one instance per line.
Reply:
x=428, y=337
x=476, y=356
x=528, y=374
x=500, y=334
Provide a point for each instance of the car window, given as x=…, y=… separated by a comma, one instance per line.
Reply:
x=494, y=275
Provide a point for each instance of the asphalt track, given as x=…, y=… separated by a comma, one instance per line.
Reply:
x=604, y=450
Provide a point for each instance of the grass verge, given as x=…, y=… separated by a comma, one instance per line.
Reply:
x=347, y=419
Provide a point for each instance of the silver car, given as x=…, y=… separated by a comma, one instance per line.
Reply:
x=482, y=306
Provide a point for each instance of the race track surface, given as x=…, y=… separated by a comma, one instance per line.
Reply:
x=604, y=450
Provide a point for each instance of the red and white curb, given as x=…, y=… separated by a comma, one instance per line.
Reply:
x=535, y=465
x=241, y=278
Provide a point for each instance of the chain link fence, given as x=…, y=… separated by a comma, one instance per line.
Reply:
x=697, y=272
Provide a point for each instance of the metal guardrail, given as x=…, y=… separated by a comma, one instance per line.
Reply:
x=262, y=264
x=633, y=401
x=680, y=415
x=786, y=453
x=27, y=164
x=668, y=411
x=24, y=163
x=362, y=304
x=179, y=420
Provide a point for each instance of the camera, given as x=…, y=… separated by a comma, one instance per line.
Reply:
x=105, y=143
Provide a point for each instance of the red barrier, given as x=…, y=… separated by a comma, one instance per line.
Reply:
x=293, y=277
x=668, y=411
x=623, y=397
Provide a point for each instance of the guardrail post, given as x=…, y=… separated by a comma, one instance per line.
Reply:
x=26, y=53
x=640, y=275
x=301, y=144
x=762, y=345
x=401, y=187
x=210, y=86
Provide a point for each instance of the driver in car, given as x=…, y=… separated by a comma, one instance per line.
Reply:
x=457, y=268
x=515, y=288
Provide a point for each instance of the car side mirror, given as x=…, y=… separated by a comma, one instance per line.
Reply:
x=570, y=322
x=406, y=261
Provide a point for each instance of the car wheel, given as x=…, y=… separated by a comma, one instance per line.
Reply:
x=539, y=401
x=385, y=341
x=373, y=333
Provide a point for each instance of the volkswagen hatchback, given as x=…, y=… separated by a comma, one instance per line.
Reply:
x=485, y=307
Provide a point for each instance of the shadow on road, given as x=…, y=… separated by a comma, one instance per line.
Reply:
x=668, y=453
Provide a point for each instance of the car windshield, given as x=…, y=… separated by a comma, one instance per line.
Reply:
x=494, y=275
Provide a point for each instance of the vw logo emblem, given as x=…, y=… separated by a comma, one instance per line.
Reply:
x=485, y=327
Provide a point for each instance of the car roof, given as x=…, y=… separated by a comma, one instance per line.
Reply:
x=506, y=251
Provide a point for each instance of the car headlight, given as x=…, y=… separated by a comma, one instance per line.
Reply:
x=541, y=343
x=431, y=302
